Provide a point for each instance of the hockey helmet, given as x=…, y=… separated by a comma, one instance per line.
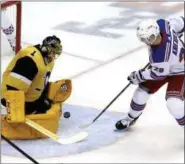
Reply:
x=52, y=44
x=147, y=31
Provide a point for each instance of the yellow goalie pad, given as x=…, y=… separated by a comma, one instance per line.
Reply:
x=60, y=90
x=49, y=120
x=15, y=106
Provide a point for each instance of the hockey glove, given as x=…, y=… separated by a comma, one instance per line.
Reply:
x=136, y=77
x=60, y=90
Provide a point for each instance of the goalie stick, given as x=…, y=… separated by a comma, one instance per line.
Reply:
x=64, y=141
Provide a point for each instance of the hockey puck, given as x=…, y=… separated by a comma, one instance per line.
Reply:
x=67, y=114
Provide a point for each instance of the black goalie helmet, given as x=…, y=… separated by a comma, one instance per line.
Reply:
x=52, y=44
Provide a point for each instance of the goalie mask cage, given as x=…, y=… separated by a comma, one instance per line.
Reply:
x=14, y=9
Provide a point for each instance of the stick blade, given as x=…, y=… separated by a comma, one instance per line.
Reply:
x=74, y=139
x=83, y=126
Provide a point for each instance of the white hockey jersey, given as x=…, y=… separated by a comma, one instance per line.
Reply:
x=167, y=59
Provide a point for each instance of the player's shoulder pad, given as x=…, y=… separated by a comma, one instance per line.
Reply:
x=30, y=51
x=183, y=29
x=164, y=25
x=34, y=53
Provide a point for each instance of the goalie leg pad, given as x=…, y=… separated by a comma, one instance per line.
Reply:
x=59, y=91
x=49, y=120
x=15, y=106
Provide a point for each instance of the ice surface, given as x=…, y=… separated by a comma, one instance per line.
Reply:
x=99, y=67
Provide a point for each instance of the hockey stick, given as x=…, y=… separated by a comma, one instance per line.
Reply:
x=64, y=141
x=18, y=149
x=87, y=125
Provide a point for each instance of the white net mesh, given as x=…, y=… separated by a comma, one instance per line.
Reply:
x=8, y=27
x=8, y=32
x=5, y=26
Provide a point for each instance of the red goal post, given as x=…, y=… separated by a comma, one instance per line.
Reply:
x=17, y=15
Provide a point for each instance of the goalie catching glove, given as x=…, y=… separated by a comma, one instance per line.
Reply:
x=60, y=90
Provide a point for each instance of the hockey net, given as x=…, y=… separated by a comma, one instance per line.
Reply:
x=10, y=15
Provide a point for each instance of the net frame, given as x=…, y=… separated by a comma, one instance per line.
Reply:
x=18, y=17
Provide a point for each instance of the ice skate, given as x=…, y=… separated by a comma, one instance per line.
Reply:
x=125, y=122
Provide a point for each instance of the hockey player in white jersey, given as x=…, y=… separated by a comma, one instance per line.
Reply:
x=166, y=56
